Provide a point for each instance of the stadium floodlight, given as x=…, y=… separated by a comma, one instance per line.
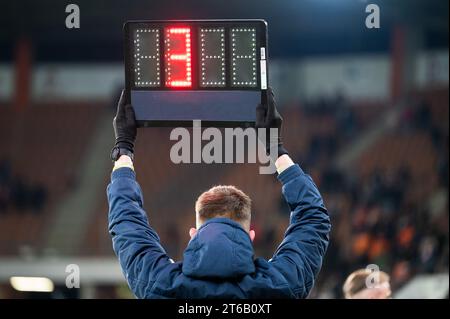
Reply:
x=177, y=71
x=32, y=284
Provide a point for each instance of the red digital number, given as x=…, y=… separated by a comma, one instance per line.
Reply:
x=178, y=57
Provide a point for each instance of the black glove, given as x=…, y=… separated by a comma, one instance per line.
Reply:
x=124, y=124
x=267, y=117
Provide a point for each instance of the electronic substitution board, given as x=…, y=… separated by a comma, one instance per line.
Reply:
x=209, y=70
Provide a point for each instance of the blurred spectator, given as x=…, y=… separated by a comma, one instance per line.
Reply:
x=5, y=192
x=17, y=194
x=422, y=116
x=366, y=284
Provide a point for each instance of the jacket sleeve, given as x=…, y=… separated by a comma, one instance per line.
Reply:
x=299, y=257
x=135, y=243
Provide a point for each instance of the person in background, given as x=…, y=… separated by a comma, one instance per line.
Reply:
x=367, y=284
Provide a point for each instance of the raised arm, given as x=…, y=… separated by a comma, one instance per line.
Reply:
x=135, y=243
x=300, y=255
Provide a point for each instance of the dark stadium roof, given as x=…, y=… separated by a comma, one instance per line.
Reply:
x=296, y=27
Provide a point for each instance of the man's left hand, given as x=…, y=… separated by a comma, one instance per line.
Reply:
x=124, y=123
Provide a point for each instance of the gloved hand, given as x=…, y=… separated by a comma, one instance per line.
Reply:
x=267, y=117
x=124, y=124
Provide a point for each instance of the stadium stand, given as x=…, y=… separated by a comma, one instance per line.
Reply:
x=65, y=128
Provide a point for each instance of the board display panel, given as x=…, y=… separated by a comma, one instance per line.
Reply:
x=209, y=70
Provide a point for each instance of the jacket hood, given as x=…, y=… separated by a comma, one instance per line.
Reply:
x=220, y=249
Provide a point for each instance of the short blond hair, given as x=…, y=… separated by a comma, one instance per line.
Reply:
x=356, y=281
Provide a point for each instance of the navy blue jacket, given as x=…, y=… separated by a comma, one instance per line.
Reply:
x=218, y=261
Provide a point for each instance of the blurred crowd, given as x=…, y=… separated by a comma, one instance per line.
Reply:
x=374, y=219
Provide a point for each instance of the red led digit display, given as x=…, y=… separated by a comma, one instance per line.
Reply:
x=178, y=60
x=200, y=55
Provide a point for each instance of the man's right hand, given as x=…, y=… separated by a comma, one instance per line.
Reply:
x=268, y=117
